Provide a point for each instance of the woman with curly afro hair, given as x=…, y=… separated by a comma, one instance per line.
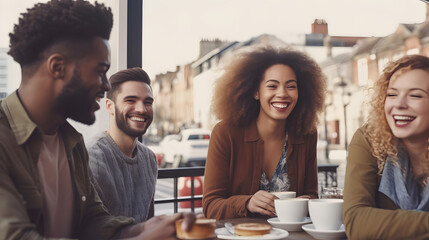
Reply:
x=268, y=101
x=386, y=195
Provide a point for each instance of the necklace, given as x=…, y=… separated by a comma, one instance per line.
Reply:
x=422, y=180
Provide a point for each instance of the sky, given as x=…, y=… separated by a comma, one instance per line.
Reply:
x=172, y=29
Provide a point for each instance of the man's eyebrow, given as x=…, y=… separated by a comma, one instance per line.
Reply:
x=103, y=64
x=130, y=96
x=134, y=97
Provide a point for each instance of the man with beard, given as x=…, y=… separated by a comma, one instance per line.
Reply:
x=45, y=188
x=125, y=170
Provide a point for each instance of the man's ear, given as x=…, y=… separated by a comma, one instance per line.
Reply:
x=110, y=106
x=57, y=66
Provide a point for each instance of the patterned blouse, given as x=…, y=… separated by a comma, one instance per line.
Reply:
x=280, y=181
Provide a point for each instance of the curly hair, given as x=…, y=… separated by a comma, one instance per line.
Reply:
x=233, y=98
x=48, y=23
x=131, y=74
x=378, y=132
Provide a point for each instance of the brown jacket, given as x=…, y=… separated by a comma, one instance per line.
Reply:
x=367, y=213
x=234, y=163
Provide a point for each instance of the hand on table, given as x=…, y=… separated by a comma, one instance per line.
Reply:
x=262, y=202
x=162, y=227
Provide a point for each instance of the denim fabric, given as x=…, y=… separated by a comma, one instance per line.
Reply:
x=397, y=182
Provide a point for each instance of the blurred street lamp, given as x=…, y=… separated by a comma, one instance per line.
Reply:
x=346, y=97
x=346, y=102
x=328, y=102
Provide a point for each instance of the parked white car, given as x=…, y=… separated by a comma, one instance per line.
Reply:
x=167, y=144
x=189, y=148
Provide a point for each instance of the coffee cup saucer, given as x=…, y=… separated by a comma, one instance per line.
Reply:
x=325, y=234
x=275, y=233
x=289, y=226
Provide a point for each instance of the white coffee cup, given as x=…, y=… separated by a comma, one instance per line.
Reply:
x=286, y=194
x=326, y=214
x=291, y=209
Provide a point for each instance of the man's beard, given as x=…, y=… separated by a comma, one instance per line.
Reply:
x=121, y=122
x=74, y=101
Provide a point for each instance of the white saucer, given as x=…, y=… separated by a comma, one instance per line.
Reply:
x=275, y=233
x=191, y=238
x=289, y=226
x=325, y=234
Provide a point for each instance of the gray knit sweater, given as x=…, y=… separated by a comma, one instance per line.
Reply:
x=125, y=185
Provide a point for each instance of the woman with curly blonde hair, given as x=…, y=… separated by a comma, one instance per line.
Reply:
x=386, y=194
x=268, y=101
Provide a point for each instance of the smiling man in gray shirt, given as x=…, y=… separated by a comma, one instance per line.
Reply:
x=124, y=170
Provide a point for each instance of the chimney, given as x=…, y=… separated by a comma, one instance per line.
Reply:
x=207, y=45
x=319, y=26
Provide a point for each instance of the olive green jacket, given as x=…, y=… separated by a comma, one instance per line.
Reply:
x=368, y=213
x=21, y=198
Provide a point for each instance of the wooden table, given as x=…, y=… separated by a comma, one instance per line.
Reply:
x=302, y=235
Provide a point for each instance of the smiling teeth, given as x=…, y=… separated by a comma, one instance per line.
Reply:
x=138, y=119
x=279, y=105
x=403, y=118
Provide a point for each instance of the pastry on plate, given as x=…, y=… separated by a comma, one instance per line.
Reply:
x=203, y=228
x=252, y=229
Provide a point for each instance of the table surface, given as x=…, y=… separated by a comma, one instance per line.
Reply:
x=302, y=235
